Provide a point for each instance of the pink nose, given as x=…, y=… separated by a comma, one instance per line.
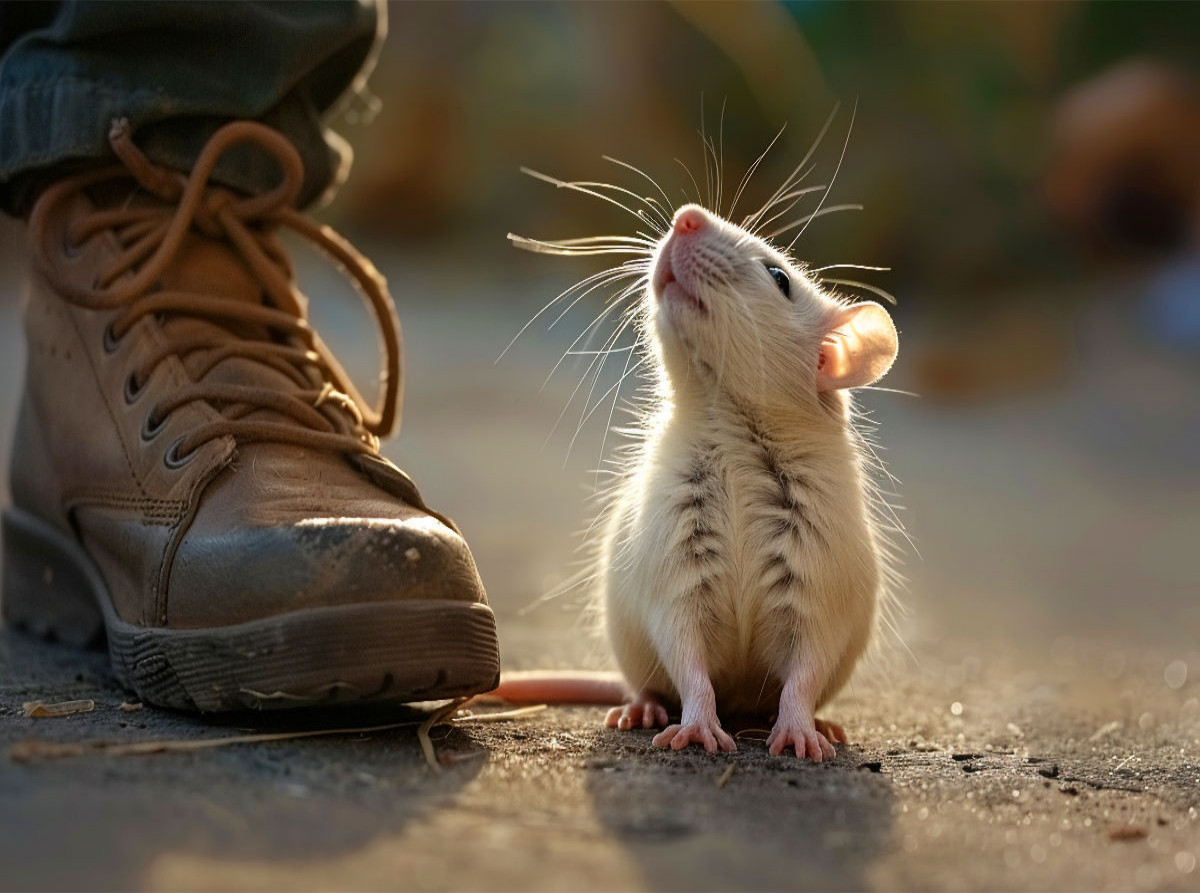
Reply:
x=689, y=221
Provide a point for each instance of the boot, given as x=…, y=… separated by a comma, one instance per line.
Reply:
x=195, y=478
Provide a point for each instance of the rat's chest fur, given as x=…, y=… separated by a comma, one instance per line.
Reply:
x=759, y=543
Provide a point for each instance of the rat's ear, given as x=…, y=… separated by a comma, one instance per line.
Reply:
x=858, y=348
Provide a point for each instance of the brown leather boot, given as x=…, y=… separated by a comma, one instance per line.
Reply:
x=195, y=476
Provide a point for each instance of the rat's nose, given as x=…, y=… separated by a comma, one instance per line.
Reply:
x=689, y=221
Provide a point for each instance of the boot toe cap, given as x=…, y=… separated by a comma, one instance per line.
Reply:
x=226, y=577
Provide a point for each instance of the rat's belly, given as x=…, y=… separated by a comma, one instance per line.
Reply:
x=713, y=562
x=752, y=631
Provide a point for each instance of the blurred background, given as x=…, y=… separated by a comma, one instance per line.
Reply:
x=1029, y=172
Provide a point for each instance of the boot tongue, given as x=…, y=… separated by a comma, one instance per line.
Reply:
x=207, y=267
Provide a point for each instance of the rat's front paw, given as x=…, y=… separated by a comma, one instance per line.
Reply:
x=805, y=738
x=643, y=712
x=708, y=733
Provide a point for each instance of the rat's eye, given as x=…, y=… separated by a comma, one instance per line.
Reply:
x=781, y=279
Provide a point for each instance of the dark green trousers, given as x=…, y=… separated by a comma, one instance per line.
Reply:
x=177, y=71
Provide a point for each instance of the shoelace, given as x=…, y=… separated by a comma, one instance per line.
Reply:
x=325, y=411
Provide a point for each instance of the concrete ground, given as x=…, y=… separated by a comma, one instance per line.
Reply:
x=1038, y=729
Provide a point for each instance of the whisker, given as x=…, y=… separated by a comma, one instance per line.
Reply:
x=708, y=180
x=566, y=406
x=614, y=276
x=721, y=156
x=575, y=187
x=603, y=279
x=612, y=305
x=802, y=192
x=795, y=196
x=642, y=174
x=555, y=300
x=745, y=181
x=847, y=267
x=598, y=365
x=536, y=246
x=714, y=190
x=761, y=224
x=588, y=353
x=780, y=196
x=661, y=211
x=625, y=373
x=695, y=185
x=803, y=221
x=866, y=387
x=559, y=592
x=575, y=391
x=886, y=295
x=585, y=240
x=588, y=413
x=791, y=181
x=833, y=179
x=648, y=201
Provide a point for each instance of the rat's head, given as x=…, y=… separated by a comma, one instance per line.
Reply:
x=731, y=311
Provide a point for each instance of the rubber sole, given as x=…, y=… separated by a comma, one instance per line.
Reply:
x=418, y=650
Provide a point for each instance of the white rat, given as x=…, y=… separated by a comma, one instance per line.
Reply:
x=740, y=564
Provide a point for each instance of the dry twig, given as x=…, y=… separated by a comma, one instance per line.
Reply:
x=726, y=775
x=41, y=710
x=36, y=749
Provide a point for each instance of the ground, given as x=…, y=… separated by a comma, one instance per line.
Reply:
x=1035, y=725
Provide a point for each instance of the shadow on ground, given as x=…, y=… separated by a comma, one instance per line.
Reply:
x=695, y=821
x=128, y=822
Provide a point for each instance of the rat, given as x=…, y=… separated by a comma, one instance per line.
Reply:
x=741, y=562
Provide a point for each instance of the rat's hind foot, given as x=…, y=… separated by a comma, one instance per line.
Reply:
x=706, y=732
x=643, y=712
x=832, y=731
x=809, y=741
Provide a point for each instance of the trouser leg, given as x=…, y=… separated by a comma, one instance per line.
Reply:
x=177, y=71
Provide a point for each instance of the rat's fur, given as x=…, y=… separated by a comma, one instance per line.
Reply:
x=742, y=513
x=743, y=539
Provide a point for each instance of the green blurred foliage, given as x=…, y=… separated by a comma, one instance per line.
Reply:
x=948, y=148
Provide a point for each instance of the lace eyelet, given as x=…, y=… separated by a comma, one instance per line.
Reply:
x=133, y=389
x=111, y=341
x=151, y=428
x=172, y=459
x=70, y=249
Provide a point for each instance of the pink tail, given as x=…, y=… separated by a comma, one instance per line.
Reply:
x=561, y=687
